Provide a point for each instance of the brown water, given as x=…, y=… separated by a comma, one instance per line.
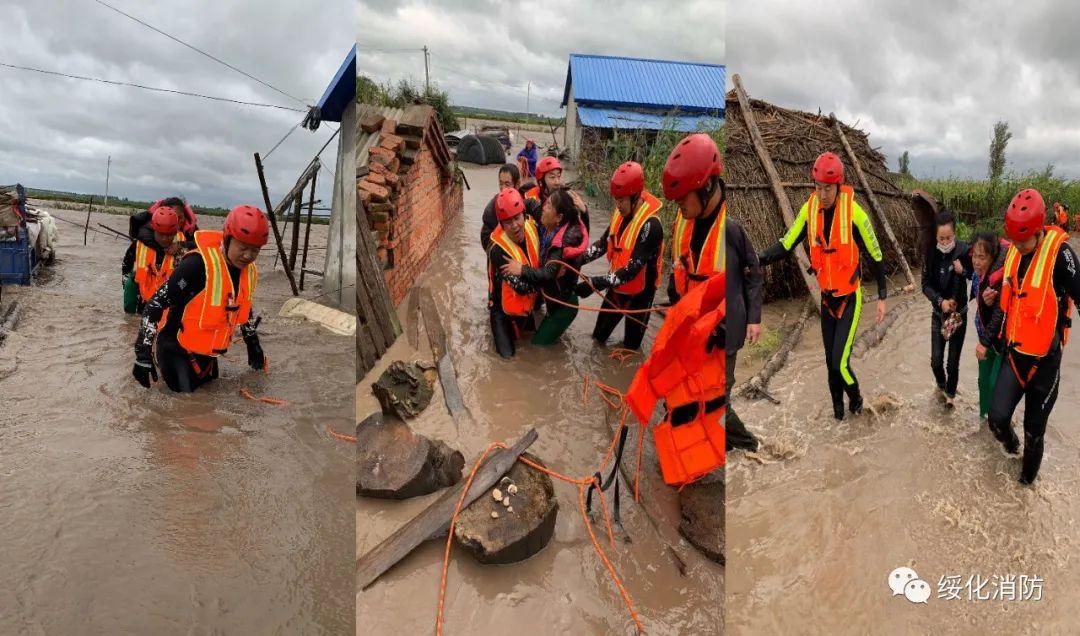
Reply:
x=564, y=589
x=133, y=511
x=818, y=520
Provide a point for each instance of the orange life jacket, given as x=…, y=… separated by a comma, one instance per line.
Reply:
x=514, y=303
x=836, y=260
x=148, y=276
x=690, y=269
x=533, y=193
x=1032, y=311
x=682, y=372
x=619, y=249
x=210, y=318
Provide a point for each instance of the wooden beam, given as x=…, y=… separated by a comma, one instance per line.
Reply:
x=809, y=184
x=875, y=207
x=777, y=187
x=435, y=519
x=274, y=225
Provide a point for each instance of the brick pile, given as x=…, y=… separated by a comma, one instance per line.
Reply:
x=379, y=184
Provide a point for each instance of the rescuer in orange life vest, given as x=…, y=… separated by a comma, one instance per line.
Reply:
x=207, y=297
x=511, y=299
x=150, y=258
x=634, y=245
x=1061, y=215
x=686, y=369
x=549, y=177
x=829, y=220
x=1031, y=325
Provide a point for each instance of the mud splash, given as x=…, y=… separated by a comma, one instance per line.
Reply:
x=813, y=536
x=564, y=588
x=124, y=510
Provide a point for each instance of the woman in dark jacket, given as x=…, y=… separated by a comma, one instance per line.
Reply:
x=563, y=237
x=944, y=283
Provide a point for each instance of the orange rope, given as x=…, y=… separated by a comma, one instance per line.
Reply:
x=622, y=355
x=268, y=400
x=342, y=436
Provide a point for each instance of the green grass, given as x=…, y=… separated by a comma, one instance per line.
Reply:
x=767, y=344
x=649, y=148
x=981, y=204
x=516, y=118
x=127, y=207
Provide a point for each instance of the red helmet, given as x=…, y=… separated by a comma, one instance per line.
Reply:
x=546, y=165
x=828, y=169
x=628, y=180
x=247, y=224
x=690, y=165
x=508, y=204
x=186, y=214
x=1026, y=215
x=164, y=221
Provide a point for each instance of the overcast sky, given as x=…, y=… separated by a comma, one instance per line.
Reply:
x=56, y=133
x=483, y=52
x=929, y=76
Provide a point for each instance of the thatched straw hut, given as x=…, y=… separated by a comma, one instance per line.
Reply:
x=794, y=139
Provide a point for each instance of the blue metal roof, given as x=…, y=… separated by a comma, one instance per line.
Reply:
x=340, y=92
x=593, y=117
x=623, y=81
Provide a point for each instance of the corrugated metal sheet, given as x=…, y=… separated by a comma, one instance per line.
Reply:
x=365, y=141
x=602, y=80
x=592, y=117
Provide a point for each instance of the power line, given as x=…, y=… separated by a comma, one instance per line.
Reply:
x=282, y=140
x=151, y=88
x=200, y=51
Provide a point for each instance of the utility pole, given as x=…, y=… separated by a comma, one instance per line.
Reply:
x=427, y=83
x=108, y=165
x=528, y=95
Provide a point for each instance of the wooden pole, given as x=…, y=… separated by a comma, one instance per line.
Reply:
x=777, y=187
x=86, y=229
x=307, y=231
x=878, y=211
x=273, y=224
x=295, y=231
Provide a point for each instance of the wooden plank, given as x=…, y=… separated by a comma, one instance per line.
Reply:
x=878, y=211
x=455, y=404
x=369, y=273
x=435, y=519
x=412, y=320
x=777, y=188
x=295, y=247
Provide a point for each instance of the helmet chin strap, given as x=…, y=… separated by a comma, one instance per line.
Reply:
x=706, y=193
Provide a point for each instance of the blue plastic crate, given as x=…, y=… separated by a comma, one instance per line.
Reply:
x=17, y=260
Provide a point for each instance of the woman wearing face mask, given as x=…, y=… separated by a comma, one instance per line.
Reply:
x=944, y=283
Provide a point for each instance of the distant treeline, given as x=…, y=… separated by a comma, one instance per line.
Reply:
x=508, y=116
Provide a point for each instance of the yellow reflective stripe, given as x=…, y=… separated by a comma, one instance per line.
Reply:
x=140, y=255
x=1040, y=263
x=215, y=268
x=511, y=248
x=720, y=254
x=811, y=219
x=845, y=218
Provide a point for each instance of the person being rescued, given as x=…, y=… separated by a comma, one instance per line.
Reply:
x=944, y=283
x=208, y=296
x=829, y=218
x=509, y=177
x=563, y=239
x=150, y=258
x=633, y=244
x=686, y=369
x=1030, y=326
x=988, y=265
x=530, y=154
x=511, y=299
x=549, y=177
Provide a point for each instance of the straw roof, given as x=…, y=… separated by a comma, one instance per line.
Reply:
x=794, y=139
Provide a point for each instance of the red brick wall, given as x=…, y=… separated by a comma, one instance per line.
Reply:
x=424, y=210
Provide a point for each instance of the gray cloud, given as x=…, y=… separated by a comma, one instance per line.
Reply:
x=928, y=77
x=56, y=132
x=483, y=52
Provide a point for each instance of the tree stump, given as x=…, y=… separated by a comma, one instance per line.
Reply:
x=496, y=533
x=395, y=463
x=405, y=389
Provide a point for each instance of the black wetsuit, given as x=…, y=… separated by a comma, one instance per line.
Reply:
x=644, y=254
x=1041, y=391
x=744, y=299
x=941, y=282
x=839, y=314
x=181, y=370
x=505, y=329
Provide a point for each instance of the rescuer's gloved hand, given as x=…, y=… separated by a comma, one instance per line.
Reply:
x=144, y=368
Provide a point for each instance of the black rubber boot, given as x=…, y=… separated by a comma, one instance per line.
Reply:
x=836, y=390
x=1033, y=452
x=1005, y=434
x=736, y=435
x=855, y=401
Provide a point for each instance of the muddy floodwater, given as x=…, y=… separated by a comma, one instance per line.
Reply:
x=132, y=511
x=564, y=589
x=820, y=517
